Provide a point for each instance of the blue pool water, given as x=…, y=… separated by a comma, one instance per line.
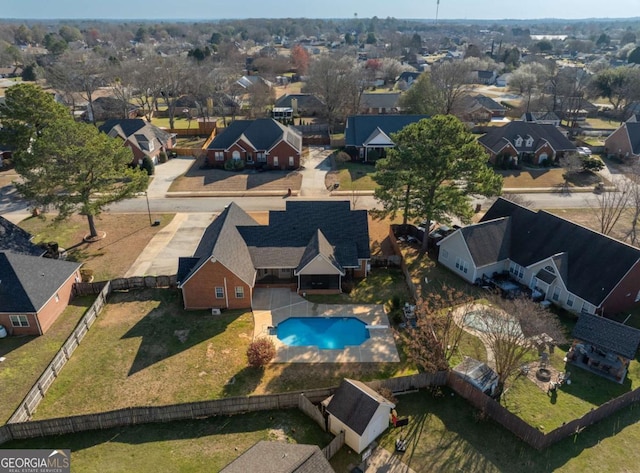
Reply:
x=329, y=333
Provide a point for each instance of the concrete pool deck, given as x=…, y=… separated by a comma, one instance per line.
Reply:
x=273, y=306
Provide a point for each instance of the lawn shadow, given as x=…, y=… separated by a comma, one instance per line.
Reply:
x=244, y=382
x=296, y=425
x=166, y=332
x=470, y=442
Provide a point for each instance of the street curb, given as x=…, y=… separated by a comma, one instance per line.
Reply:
x=278, y=193
x=554, y=190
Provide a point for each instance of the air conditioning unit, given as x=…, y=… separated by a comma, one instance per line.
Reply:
x=215, y=311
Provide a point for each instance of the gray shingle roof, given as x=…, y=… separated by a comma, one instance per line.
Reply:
x=222, y=241
x=607, y=334
x=280, y=457
x=15, y=239
x=28, y=282
x=347, y=231
x=360, y=127
x=380, y=100
x=488, y=242
x=355, y=403
x=489, y=103
x=138, y=131
x=262, y=134
x=498, y=137
x=319, y=245
x=305, y=101
x=590, y=263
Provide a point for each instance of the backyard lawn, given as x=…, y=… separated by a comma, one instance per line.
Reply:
x=447, y=435
x=188, y=446
x=144, y=349
x=27, y=356
x=126, y=236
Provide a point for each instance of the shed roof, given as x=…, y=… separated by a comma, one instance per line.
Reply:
x=280, y=457
x=607, y=335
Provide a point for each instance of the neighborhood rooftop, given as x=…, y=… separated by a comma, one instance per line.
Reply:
x=607, y=335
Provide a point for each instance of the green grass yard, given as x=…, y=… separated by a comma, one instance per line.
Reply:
x=27, y=357
x=186, y=446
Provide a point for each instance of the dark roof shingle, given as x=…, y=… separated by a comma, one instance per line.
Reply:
x=15, y=239
x=355, y=404
x=607, y=334
x=498, y=137
x=280, y=457
x=28, y=282
x=360, y=127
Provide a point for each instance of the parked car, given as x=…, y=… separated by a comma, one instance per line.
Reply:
x=584, y=151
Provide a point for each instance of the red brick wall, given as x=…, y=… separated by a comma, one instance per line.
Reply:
x=624, y=294
x=48, y=314
x=199, y=291
x=283, y=150
x=32, y=329
x=360, y=272
x=618, y=140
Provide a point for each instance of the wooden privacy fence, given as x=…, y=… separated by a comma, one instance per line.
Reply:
x=37, y=392
x=124, y=284
x=333, y=447
x=144, y=415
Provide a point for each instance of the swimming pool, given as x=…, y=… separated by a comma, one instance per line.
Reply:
x=483, y=322
x=327, y=333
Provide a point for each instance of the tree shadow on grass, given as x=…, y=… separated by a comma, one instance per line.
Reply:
x=467, y=442
x=168, y=330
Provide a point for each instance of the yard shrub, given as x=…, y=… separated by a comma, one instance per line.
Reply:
x=162, y=157
x=342, y=157
x=260, y=352
x=147, y=165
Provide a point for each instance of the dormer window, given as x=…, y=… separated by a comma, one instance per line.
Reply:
x=518, y=141
x=529, y=142
x=550, y=269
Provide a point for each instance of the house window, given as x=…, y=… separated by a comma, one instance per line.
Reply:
x=518, y=142
x=275, y=161
x=249, y=158
x=588, y=308
x=19, y=320
x=291, y=161
x=462, y=265
x=570, y=300
x=235, y=155
x=444, y=253
x=529, y=142
x=556, y=293
x=550, y=269
x=239, y=292
x=219, y=155
x=219, y=292
x=516, y=270
x=262, y=158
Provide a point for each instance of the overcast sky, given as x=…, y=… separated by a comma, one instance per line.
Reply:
x=215, y=9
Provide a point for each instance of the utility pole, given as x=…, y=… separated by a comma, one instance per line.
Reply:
x=437, y=8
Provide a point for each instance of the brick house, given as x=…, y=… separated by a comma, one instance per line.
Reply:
x=624, y=143
x=573, y=267
x=34, y=291
x=257, y=143
x=142, y=137
x=532, y=142
x=311, y=246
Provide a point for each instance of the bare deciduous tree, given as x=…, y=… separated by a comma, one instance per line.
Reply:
x=610, y=204
x=512, y=330
x=436, y=336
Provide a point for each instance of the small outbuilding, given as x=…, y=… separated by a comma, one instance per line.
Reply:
x=478, y=374
x=603, y=346
x=359, y=411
